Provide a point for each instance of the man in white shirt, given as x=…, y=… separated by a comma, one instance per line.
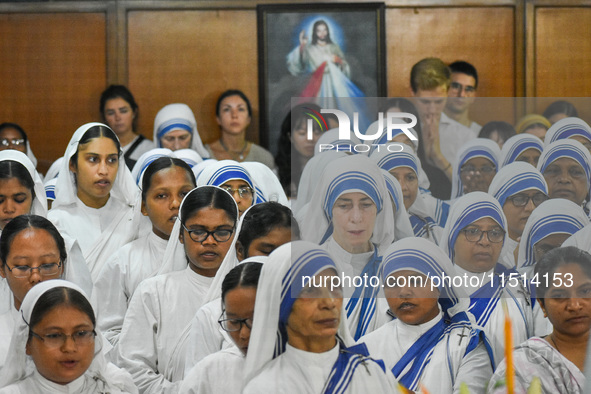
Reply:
x=461, y=94
x=442, y=136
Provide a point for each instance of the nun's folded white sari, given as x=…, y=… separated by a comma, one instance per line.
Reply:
x=274, y=366
x=20, y=376
x=443, y=353
x=485, y=302
x=100, y=232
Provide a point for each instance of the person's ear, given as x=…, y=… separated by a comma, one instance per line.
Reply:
x=182, y=237
x=27, y=348
x=143, y=208
x=72, y=166
x=240, y=252
x=3, y=271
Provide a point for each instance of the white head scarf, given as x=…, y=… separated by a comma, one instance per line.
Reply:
x=124, y=189
x=266, y=182
x=570, y=149
x=198, y=168
x=356, y=173
x=478, y=147
x=54, y=169
x=223, y=171
x=174, y=117
x=467, y=210
x=514, y=178
x=176, y=260
x=311, y=177
x=330, y=141
x=189, y=156
x=137, y=173
x=383, y=139
x=280, y=283
x=39, y=203
x=518, y=144
x=402, y=224
x=404, y=157
x=566, y=128
x=555, y=216
x=18, y=365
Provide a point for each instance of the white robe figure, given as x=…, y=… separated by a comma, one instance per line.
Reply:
x=159, y=310
x=442, y=353
x=518, y=144
x=354, y=174
x=485, y=300
x=178, y=117
x=273, y=365
x=423, y=213
x=20, y=376
x=567, y=128
x=100, y=232
x=475, y=148
x=220, y=372
x=121, y=275
x=510, y=180
x=267, y=183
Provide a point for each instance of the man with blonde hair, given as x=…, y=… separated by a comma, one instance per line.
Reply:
x=430, y=80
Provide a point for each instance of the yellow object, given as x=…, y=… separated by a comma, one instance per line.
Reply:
x=510, y=375
x=535, y=387
x=464, y=389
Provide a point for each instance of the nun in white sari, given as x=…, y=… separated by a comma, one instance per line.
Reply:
x=99, y=231
x=266, y=182
x=152, y=341
x=521, y=147
x=515, y=183
x=574, y=128
x=174, y=117
x=350, y=215
x=424, y=210
x=481, y=152
x=277, y=361
x=20, y=376
x=165, y=182
x=436, y=346
x=78, y=268
x=486, y=279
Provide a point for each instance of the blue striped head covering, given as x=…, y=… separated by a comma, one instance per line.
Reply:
x=569, y=149
x=189, y=156
x=404, y=156
x=349, y=174
x=331, y=137
x=518, y=144
x=478, y=147
x=394, y=191
x=383, y=139
x=178, y=116
x=227, y=170
x=145, y=160
x=423, y=256
x=566, y=128
x=515, y=178
x=467, y=210
x=555, y=216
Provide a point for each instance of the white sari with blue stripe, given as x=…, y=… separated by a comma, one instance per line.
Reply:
x=516, y=145
x=485, y=302
x=273, y=365
x=440, y=354
x=515, y=178
x=349, y=175
x=478, y=147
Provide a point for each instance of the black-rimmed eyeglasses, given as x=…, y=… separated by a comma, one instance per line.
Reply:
x=200, y=235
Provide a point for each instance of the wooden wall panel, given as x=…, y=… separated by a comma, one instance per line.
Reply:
x=52, y=71
x=483, y=36
x=191, y=57
x=562, y=51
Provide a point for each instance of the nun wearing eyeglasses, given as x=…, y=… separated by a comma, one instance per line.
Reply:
x=566, y=166
x=161, y=308
x=423, y=209
x=431, y=341
x=520, y=189
x=521, y=147
x=299, y=341
x=473, y=239
x=476, y=164
x=233, y=178
x=55, y=348
x=351, y=216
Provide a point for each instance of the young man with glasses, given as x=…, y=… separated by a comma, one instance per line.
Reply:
x=461, y=94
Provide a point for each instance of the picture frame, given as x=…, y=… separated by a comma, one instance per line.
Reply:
x=294, y=62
